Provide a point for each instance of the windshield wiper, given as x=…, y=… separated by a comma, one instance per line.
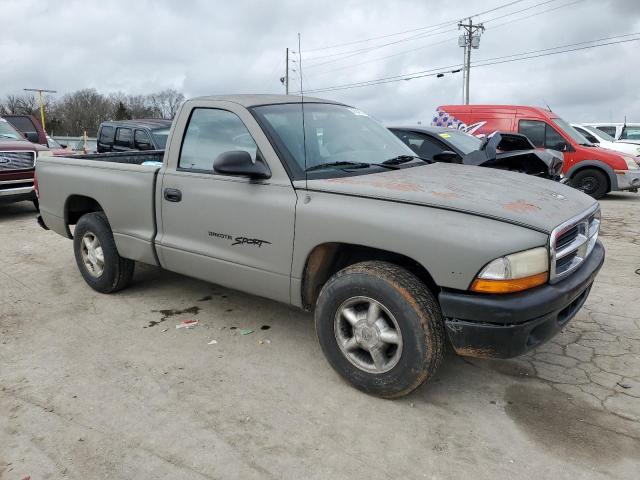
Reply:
x=344, y=164
x=403, y=159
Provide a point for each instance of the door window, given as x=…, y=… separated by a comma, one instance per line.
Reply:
x=107, y=135
x=608, y=130
x=123, y=137
x=423, y=145
x=211, y=132
x=587, y=135
x=534, y=130
x=142, y=141
x=542, y=135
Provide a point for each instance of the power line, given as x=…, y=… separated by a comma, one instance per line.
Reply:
x=493, y=27
x=353, y=65
x=448, y=22
x=520, y=11
x=351, y=53
x=402, y=76
x=385, y=57
x=482, y=63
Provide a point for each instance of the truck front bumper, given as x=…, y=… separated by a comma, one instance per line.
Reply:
x=628, y=179
x=505, y=326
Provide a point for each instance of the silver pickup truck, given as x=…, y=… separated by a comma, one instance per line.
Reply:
x=317, y=205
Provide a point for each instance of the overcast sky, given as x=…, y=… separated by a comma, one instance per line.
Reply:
x=215, y=47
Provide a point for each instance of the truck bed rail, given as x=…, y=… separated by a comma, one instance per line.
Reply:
x=134, y=157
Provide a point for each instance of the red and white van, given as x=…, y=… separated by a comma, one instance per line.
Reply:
x=594, y=170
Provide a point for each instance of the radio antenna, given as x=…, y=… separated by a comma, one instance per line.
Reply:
x=304, y=132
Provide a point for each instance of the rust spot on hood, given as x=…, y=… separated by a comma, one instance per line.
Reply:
x=521, y=206
x=384, y=183
x=445, y=194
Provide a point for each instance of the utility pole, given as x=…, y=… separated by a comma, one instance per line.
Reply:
x=470, y=39
x=40, y=91
x=285, y=80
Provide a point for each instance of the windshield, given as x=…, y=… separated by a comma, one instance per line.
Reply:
x=575, y=135
x=462, y=141
x=52, y=143
x=7, y=131
x=599, y=133
x=160, y=136
x=630, y=133
x=333, y=134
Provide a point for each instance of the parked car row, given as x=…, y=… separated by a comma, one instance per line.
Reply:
x=321, y=207
x=588, y=167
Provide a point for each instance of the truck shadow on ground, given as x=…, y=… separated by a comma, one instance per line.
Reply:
x=574, y=397
x=17, y=211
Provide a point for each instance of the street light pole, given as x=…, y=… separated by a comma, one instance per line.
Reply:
x=40, y=91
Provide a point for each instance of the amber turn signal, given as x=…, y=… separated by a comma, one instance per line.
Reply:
x=482, y=285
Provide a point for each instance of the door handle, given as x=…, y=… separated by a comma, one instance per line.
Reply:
x=172, y=194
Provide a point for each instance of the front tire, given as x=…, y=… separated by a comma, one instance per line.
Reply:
x=591, y=181
x=380, y=328
x=97, y=257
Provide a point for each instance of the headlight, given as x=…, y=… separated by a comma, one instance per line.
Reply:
x=44, y=153
x=631, y=163
x=514, y=273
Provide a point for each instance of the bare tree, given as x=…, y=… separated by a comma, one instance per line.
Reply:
x=86, y=109
x=167, y=102
x=20, y=104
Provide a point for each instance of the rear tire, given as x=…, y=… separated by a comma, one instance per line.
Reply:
x=380, y=328
x=591, y=181
x=97, y=257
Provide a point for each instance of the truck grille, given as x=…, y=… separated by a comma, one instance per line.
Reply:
x=17, y=160
x=572, y=242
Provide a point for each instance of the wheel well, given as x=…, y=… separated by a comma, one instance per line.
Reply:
x=593, y=167
x=78, y=205
x=327, y=259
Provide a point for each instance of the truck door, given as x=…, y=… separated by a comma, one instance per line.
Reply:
x=543, y=135
x=230, y=230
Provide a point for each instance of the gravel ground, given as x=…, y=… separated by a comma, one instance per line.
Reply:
x=97, y=386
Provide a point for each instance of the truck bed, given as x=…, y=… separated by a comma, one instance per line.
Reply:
x=133, y=157
x=120, y=185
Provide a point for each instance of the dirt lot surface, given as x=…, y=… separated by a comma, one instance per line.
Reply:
x=96, y=386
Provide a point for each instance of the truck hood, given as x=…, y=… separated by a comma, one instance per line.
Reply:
x=506, y=196
x=7, y=145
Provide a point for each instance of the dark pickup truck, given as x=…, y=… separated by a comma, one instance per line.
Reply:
x=125, y=135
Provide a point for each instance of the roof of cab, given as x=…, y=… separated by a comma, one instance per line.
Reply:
x=254, y=100
x=150, y=123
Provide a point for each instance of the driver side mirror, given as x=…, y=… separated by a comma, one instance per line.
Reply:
x=239, y=162
x=446, y=156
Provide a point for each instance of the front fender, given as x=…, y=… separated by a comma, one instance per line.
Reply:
x=613, y=180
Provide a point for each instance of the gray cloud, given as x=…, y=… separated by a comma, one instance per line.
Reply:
x=212, y=47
